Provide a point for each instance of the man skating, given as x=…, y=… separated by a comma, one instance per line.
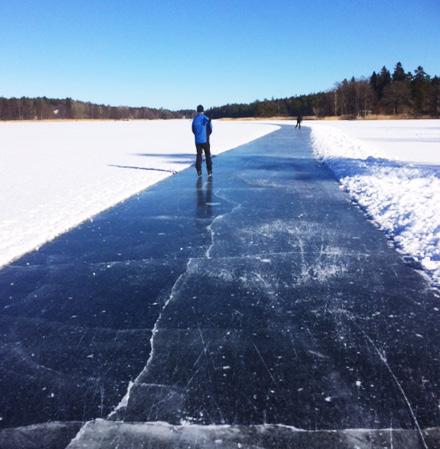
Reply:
x=202, y=129
x=299, y=119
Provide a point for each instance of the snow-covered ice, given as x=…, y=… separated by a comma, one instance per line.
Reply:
x=392, y=169
x=54, y=175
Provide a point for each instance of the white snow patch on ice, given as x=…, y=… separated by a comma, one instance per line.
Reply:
x=392, y=169
x=54, y=175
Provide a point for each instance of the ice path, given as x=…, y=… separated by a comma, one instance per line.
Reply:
x=268, y=295
x=115, y=413
x=278, y=261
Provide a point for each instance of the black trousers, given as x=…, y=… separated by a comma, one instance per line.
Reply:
x=203, y=147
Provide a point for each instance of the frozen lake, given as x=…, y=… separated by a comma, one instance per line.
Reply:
x=54, y=175
x=240, y=301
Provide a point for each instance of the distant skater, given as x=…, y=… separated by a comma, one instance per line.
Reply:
x=202, y=129
x=299, y=119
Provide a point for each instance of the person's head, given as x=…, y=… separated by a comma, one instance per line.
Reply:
x=200, y=109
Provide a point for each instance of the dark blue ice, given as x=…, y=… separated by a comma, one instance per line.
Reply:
x=272, y=298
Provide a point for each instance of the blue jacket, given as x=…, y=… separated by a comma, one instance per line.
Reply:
x=201, y=128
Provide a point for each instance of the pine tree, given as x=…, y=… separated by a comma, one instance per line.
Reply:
x=373, y=82
x=434, y=98
x=420, y=89
x=383, y=80
x=399, y=73
x=69, y=108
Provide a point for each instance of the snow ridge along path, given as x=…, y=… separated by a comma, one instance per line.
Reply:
x=55, y=175
x=392, y=169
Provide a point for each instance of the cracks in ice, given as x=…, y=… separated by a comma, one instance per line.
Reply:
x=382, y=357
x=124, y=401
x=391, y=435
x=218, y=218
x=155, y=329
x=265, y=364
x=209, y=360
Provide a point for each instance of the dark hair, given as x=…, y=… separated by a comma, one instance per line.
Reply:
x=200, y=108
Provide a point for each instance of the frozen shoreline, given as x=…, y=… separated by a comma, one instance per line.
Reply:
x=55, y=175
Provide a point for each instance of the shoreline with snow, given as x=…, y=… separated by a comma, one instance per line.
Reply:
x=392, y=170
x=55, y=175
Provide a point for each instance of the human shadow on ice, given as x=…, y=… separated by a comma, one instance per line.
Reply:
x=175, y=158
x=142, y=168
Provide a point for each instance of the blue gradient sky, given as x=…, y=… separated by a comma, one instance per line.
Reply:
x=177, y=54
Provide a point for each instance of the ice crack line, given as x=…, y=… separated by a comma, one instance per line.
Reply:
x=383, y=358
x=174, y=289
x=218, y=218
x=124, y=401
x=155, y=330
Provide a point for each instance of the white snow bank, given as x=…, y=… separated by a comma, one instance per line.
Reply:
x=415, y=141
x=392, y=169
x=54, y=175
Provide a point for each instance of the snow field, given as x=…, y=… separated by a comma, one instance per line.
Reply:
x=54, y=175
x=392, y=169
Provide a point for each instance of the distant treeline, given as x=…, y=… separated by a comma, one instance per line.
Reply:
x=43, y=108
x=400, y=92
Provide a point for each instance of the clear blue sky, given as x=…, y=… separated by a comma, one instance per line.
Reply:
x=177, y=54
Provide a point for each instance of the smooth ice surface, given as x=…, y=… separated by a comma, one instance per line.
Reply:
x=54, y=175
x=231, y=310
x=392, y=169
